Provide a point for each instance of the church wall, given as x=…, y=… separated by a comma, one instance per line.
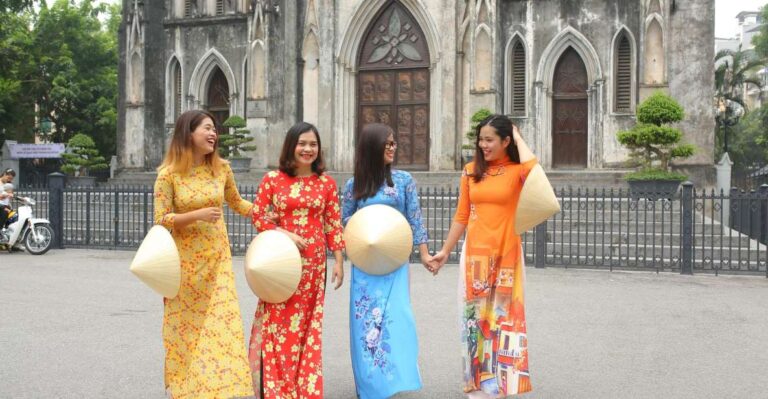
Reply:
x=689, y=77
x=144, y=127
x=437, y=18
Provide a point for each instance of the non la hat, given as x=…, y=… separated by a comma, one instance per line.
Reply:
x=273, y=266
x=537, y=201
x=378, y=239
x=157, y=262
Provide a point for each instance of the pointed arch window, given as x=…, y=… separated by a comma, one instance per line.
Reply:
x=188, y=8
x=517, y=79
x=176, y=90
x=623, y=74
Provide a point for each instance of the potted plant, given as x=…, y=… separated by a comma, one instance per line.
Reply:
x=653, y=144
x=468, y=149
x=81, y=157
x=232, y=144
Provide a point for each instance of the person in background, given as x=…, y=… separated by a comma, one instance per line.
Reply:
x=6, y=194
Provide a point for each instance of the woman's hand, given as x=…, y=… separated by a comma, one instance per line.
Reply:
x=516, y=134
x=300, y=242
x=426, y=260
x=338, y=275
x=209, y=215
x=438, y=260
x=273, y=218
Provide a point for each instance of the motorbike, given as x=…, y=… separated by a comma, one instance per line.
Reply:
x=22, y=228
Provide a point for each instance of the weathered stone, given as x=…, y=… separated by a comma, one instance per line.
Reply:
x=300, y=60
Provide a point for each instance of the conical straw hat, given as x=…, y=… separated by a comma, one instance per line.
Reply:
x=537, y=201
x=273, y=266
x=378, y=239
x=157, y=262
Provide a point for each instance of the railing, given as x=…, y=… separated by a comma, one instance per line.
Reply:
x=694, y=231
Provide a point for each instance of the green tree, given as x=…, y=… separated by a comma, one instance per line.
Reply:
x=82, y=156
x=76, y=70
x=735, y=73
x=15, y=6
x=16, y=100
x=233, y=143
x=749, y=146
x=760, y=41
x=653, y=144
x=471, y=134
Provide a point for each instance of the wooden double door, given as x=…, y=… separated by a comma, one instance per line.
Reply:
x=400, y=99
x=393, y=82
x=570, y=112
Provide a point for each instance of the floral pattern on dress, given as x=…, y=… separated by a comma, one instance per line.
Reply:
x=492, y=281
x=384, y=345
x=371, y=309
x=285, y=351
x=202, y=328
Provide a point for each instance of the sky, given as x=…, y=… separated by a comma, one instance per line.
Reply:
x=726, y=24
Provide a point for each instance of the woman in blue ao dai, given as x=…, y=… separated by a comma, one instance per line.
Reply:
x=384, y=346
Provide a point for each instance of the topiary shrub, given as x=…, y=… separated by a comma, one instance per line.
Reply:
x=652, y=144
x=232, y=144
x=471, y=134
x=82, y=156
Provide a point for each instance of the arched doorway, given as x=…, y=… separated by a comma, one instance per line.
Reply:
x=393, y=83
x=569, y=112
x=217, y=102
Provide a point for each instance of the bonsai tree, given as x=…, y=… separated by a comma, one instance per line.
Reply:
x=471, y=134
x=82, y=156
x=233, y=143
x=652, y=143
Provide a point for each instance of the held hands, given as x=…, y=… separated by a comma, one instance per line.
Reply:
x=437, y=262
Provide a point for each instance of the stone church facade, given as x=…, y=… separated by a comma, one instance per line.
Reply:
x=570, y=73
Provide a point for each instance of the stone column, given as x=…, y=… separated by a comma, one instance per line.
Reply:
x=723, y=169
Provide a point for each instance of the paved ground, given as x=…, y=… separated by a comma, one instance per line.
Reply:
x=77, y=324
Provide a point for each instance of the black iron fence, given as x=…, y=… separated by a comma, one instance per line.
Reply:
x=694, y=231
x=750, y=178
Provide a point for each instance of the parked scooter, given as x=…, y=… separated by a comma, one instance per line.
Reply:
x=22, y=228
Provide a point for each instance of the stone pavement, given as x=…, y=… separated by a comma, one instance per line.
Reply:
x=76, y=324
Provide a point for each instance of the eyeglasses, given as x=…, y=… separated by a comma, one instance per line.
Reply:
x=390, y=145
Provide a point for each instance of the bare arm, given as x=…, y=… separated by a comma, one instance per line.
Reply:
x=522, y=148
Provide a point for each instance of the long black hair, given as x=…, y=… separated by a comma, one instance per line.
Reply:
x=503, y=127
x=370, y=170
x=288, y=153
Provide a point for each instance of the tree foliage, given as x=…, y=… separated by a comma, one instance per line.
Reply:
x=652, y=144
x=233, y=143
x=749, y=140
x=760, y=41
x=471, y=134
x=15, y=6
x=82, y=156
x=735, y=73
x=61, y=66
